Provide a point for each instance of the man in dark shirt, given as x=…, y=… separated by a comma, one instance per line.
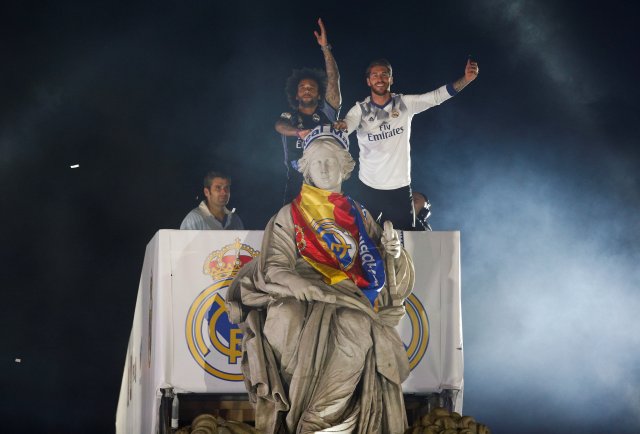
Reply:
x=315, y=98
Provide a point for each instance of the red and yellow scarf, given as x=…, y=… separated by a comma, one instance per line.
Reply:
x=331, y=237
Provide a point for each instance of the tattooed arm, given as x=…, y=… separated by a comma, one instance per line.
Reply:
x=471, y=72
x=333, y=96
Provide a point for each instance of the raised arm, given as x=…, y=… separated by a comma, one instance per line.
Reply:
x=471, y=72
x=333, y=96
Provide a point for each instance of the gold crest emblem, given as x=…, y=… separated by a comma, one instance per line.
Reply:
x=226, y=262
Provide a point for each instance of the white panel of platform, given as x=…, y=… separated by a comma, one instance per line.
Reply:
x=181, y=337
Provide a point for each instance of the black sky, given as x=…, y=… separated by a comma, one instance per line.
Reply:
x=536, y=163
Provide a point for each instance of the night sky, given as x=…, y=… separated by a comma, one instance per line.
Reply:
x=537, y=163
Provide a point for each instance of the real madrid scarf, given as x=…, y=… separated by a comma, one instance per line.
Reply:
x=331, y=237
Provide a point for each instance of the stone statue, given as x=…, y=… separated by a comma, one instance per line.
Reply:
x=318, y=310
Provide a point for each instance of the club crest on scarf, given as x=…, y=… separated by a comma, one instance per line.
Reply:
x=332, y=238
x=338, y=240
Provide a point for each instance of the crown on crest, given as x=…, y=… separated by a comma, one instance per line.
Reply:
x=224, y=263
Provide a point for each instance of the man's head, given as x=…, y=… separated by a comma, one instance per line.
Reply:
x=306, y=87
x=379, y=76
x=419, y=201
x=325, y=164
x=421, y=208
x=217, y=189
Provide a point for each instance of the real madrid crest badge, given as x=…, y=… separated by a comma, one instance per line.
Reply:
x=395, y=114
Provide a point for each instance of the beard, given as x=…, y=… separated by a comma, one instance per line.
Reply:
x=380, y=91
x=308, y=103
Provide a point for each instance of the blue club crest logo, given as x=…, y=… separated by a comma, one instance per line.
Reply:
x=338, y=240
x=213, y=341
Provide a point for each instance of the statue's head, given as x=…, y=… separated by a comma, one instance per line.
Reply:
x=325, y=164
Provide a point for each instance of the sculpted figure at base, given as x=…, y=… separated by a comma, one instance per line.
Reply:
x=318, y=310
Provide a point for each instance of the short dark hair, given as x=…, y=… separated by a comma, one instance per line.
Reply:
x=379, y=62
x=417, y=194
x=211, y=175
x=291, y=85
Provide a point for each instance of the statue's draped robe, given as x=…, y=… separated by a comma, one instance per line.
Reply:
x=314, y=366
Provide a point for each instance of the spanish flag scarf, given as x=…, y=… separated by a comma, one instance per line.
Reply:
x=331, y=237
